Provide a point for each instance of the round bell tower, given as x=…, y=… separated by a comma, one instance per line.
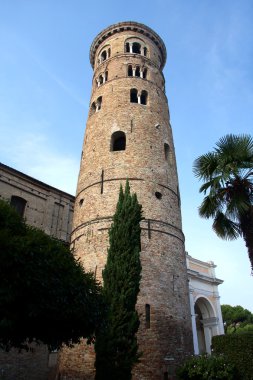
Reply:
x=128, y=136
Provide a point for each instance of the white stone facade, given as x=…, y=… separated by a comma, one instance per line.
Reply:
x=205, y=303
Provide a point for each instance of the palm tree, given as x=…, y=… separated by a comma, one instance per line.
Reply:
x=227, y=173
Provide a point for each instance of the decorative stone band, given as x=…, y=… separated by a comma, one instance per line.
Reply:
x=101, y=183
x=149, y=225
x=131, y=26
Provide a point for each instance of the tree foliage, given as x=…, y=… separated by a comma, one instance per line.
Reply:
x=227, y=173
x=236, y=349
x=236, y=319
x=44, y=293
x=206, y=367
x=116, y=342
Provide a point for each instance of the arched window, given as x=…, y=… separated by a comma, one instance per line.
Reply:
x=99, y=103
x=93, y=108
x=100, y=79
x=118, y=141
x=133, y=95
x=130, y=71
x=18, y=204
x=136, y=48
x=137, y=71
x=144, y=75
x=144, y=97
x=103, y=56
x=166, y=151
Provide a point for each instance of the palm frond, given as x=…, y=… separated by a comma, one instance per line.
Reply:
x=205, y=165
x=225, y=228
x=209, y=207
x=236, y=150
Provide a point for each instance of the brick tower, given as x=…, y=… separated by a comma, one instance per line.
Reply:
x=128, y=135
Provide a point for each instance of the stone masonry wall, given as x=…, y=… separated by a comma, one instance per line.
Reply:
x=151, y=170
x=47, y=208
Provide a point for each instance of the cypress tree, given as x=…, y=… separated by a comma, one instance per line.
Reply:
x=116, y=343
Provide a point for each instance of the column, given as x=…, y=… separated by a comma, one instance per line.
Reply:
x=194, y=328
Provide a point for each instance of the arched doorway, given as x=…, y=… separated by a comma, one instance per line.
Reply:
x=206, y=323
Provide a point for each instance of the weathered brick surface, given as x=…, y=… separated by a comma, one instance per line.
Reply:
x=35, y=364
x=147, y=127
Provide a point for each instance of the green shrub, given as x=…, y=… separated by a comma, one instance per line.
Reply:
x=237, y=348
x=207, y=368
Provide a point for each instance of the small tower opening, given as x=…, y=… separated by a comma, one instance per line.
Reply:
x=118, y=141
x=127, y=47
x=145, y=73
x=109, y=52
x=106, y=76
x=93, y=108
x=100, y=79
x=158, y=195
x=144, y=97
x=137, y=71
x=133, y=95
x=130, y=71
x=136, y=48
x=145, y=51
x=99, y=103
x=166, y=151
x=147, y=315
x=103, y=56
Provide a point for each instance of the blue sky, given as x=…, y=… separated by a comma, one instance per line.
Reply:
x=45, y=84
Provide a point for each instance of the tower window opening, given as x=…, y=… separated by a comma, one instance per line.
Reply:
x=137, y=71
x=145, y=73
x=99, y=103
x=136, y=48
x=166, y=151
x=100, y=79
x=144, y=97
x=81, y=202
x=106, y=76
x=127, y=47
x=130, y=71
x=93, y=108
x=118, y=141
x=145, y=50
x=18, y=204
x=109, y=53
x=103, y=56
x=158, y=195
x=147, y=315
x=133, y=95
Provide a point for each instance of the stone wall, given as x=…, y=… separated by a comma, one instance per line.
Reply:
x=46, y=208
x=148, y=161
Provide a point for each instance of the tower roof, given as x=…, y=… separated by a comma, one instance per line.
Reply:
x=128, y=25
